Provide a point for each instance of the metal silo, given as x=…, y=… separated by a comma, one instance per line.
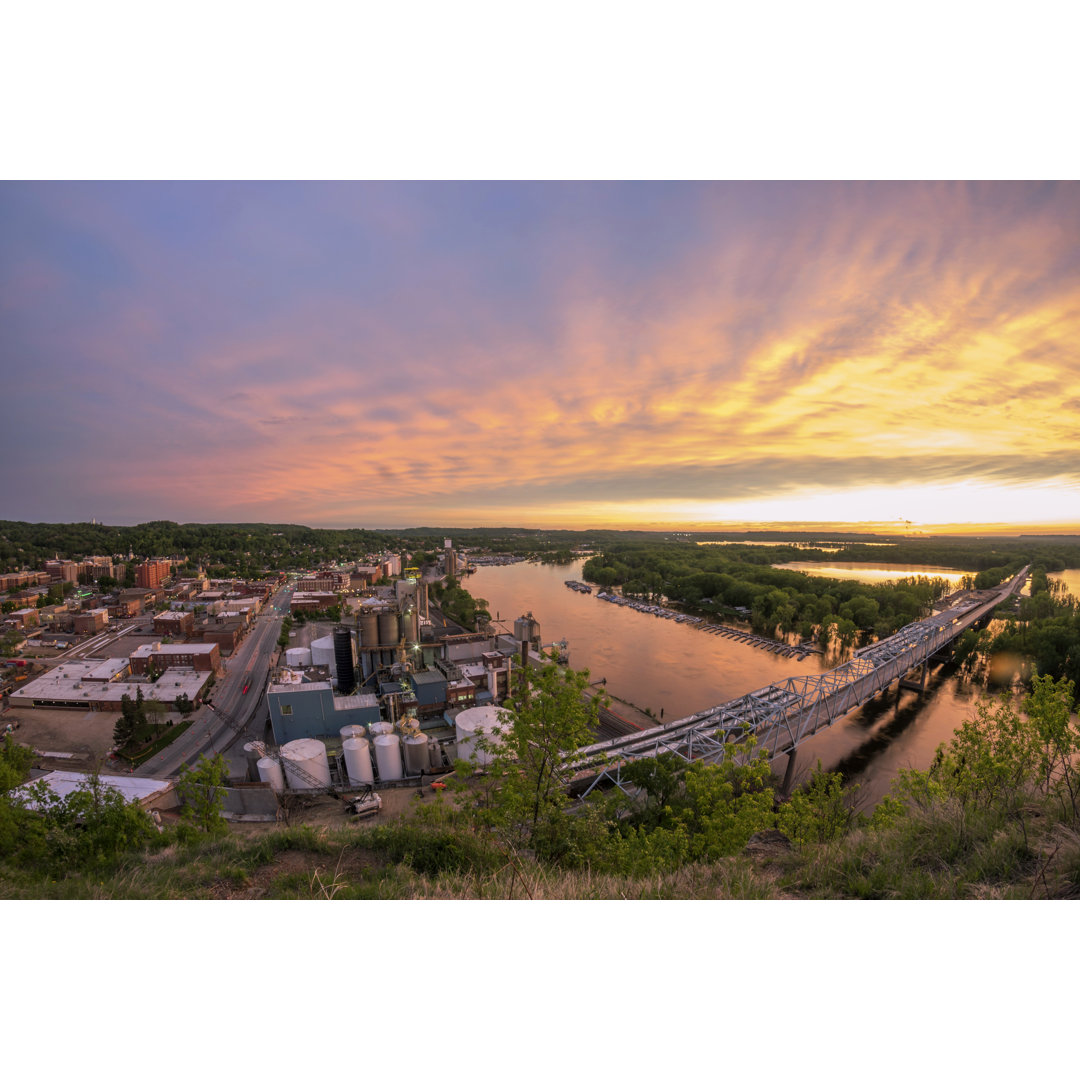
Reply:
x=343, y=657
x=388, y=628
x=368, y=623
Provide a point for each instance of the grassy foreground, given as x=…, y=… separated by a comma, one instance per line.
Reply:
x=997, y=815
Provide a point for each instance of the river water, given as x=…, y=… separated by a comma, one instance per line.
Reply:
x=662, y=665
x=871, y=573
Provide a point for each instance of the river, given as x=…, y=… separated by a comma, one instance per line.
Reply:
x=662, y=665
x=872, y=573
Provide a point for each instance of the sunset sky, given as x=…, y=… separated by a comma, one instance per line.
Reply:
x=631, y=355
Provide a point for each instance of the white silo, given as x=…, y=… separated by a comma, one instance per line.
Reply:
x=381, y=727
x=298, y=657
x=322, y=653
x=482, y=720
x=388, y=757
x=357, y=754
x=353, y=731
x=416, y=753
x=309, y=755
x=270, y=773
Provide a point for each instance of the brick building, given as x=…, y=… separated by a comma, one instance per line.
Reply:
x=205, y=657
x=90, y=622
x=174, y=623
x=150, y=574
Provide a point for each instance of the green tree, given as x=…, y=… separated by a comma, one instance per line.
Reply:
x=549, y=719
x=202, y=793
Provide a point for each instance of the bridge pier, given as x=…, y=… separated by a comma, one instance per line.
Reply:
x=789, y=774
x=907, y=683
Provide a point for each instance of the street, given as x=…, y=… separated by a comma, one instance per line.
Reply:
x=248, y=666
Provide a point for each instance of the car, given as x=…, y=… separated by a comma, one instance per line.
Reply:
x=246, y=685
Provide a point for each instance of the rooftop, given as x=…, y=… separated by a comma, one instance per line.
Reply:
x=133, y=788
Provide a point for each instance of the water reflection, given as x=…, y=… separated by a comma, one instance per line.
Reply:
x=871, y=573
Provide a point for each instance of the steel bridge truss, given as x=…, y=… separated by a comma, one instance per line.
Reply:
x=777, y=718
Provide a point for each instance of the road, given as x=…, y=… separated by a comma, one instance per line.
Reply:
x=248, y=666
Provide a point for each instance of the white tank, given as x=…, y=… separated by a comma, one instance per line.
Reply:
x=310, y=755
x=322, y=653
x=353, y=731
x=297, y=657
x=381, y=727
x=480, y=720
x=357, y=754
x=388, y=757
x=434, y=754
x=416, y=754
x=270, y=773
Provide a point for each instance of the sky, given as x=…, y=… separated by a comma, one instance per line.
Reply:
x=627, y=355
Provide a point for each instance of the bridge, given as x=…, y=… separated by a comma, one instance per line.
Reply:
x=783, y=715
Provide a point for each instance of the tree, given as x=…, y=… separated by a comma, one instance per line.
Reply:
x=202, y=793
x=550, y=717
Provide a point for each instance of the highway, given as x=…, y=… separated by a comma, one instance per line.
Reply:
x=249, y=666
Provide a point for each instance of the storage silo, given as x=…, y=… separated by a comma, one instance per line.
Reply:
x=253, y=752
x=481, y=720
x=388, y=757
x=343, y=656
x=416, y=754
x=357, y=754
x=322, y=653
x=368, y=624
x=526, y=628
x=309, y=755
x=270, y=773
x=380, y=727
x=298, y=657
x=353, y=731
x=434, y=754
x=388, y=629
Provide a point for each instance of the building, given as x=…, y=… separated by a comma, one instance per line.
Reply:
x=99, y=685
x=174, y=623
x=24, y=617
x=150, y=574
x=206, y=657
x=62, y=570
x=313, y=601
x=226, y=635
x=90, y=622
x=300, y=710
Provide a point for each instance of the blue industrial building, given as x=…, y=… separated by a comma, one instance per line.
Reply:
x=310, y=711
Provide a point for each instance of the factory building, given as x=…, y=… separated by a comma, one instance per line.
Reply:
x=300, y=710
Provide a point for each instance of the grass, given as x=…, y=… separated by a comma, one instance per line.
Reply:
x=171, y=734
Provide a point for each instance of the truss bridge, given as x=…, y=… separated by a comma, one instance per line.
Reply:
x=780, y=717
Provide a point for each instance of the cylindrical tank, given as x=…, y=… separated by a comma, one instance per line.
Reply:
x=369, y=628
x=416, y=754
x=309, y=755
x=481, y=720
x=357, y=754
x=343, y=656
x=253, y=755
x=322, y=653
x=526, y=628
x=353, y=731
x=298, y=657
x=410, y=625
x=270, y=773
x=434, y=754
x=380, y=727
x=388, y=628
x=388, y=757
